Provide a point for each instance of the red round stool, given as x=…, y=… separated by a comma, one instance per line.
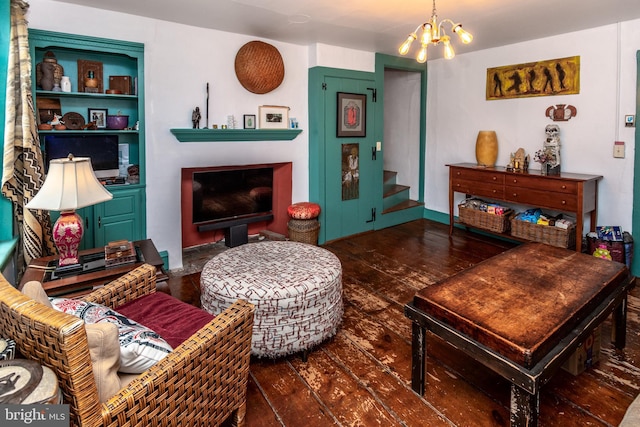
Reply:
x=303, y=225
x=304, y=210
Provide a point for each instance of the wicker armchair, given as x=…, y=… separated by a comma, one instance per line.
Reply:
x=202, y=382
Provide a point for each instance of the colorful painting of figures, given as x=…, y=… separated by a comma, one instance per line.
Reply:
x=350, y=172
x=542, y=78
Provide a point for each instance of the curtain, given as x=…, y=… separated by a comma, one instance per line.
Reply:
x=23, y=165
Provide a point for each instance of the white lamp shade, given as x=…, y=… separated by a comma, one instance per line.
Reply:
x=70, y=184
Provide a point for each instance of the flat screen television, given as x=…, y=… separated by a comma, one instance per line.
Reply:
x=228, y=197
x=102, y=149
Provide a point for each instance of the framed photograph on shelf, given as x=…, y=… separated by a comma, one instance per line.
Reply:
x=249, y=121
x=273, y=117
x=99, y=116
x=352, y=113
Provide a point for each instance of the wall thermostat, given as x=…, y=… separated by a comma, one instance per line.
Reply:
x=629, y=120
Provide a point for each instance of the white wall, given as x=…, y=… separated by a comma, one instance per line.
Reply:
x=457, y=110
x=322, y=55
x=179, y=61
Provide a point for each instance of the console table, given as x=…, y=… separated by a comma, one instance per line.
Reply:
x=568, y=192
x=84, y=282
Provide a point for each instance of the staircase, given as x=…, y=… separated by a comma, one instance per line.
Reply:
x=395, y=196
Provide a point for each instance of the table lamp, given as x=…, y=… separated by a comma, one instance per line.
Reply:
x=70, y=184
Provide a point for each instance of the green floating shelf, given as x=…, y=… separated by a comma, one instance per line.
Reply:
x=213, y=135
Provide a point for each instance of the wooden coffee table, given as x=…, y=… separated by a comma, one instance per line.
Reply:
x=522, y=314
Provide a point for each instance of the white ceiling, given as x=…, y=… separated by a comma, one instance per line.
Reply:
x=379, y=25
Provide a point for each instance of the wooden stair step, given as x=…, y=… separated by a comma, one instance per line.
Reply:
x=395, y=189
x=388, y=176
x=407, y=204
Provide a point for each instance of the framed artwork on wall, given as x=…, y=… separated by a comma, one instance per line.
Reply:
x=542, y=78
x=249, y=121
x=273, y=117
x=350, y=171
x=99, y=116
x=352, y=113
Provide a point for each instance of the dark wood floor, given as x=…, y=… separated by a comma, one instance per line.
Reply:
x=362, y=376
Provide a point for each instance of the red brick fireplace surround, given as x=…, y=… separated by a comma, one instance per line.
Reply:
x=282, y=189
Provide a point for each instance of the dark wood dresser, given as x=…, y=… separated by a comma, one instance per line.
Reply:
x=568, y=192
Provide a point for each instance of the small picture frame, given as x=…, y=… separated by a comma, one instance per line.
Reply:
x=352, y=113
x=273, y=117
x=99, y=116
x=249, y=121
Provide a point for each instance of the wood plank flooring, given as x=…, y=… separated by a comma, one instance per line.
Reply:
x=361, y=377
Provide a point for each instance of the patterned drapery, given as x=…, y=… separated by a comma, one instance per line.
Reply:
x=23, y=166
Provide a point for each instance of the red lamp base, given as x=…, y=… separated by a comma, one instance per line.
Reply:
x=67, y=234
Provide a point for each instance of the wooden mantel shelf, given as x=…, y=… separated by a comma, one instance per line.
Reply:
x=212, y=135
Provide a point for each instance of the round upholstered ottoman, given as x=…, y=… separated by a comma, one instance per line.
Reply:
x=296, y=289
x=303, y=225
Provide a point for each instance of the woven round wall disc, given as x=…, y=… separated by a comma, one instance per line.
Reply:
x=259, y=67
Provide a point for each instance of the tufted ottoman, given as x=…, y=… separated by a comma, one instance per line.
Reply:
x=296, y=289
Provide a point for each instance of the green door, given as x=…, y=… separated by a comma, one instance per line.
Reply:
x=350, y=158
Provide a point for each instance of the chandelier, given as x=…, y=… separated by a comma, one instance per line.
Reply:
x=433, y=32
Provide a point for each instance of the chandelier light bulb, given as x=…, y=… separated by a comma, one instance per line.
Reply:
x=422, y=54
x=404, y=49
x=426, y=35
x=448, y=49
x=465, y=36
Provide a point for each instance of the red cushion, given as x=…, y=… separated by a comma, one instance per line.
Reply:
x=304, y=210
x=172, y=319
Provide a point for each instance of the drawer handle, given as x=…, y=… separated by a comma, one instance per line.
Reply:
x=458, y=173
x=564, y=202
x=494, y=178
x=458, y=185
x=515, y=181
x=494, y=191
x=515, y=194
x=564, y=187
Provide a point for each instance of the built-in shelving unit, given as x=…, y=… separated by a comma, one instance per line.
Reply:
x=123, y=217
x=213, y=135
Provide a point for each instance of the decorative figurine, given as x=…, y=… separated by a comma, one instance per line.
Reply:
x=518, y=161
x=195, y=118
x=57, y=120
x=549, y=156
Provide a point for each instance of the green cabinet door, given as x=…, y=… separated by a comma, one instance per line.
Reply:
x=120, y=218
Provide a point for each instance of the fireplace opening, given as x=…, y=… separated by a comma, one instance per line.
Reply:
x=232, y=202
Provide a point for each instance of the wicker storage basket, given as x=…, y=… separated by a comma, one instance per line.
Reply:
x=484, y=220
x=304, y=230
x=550, y=235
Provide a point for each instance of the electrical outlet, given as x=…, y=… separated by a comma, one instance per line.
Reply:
x=618, y=149
x=378, y=146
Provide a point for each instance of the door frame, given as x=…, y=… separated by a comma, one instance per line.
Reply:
x=388, y=62
x=317, y=133
x=635, y=216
